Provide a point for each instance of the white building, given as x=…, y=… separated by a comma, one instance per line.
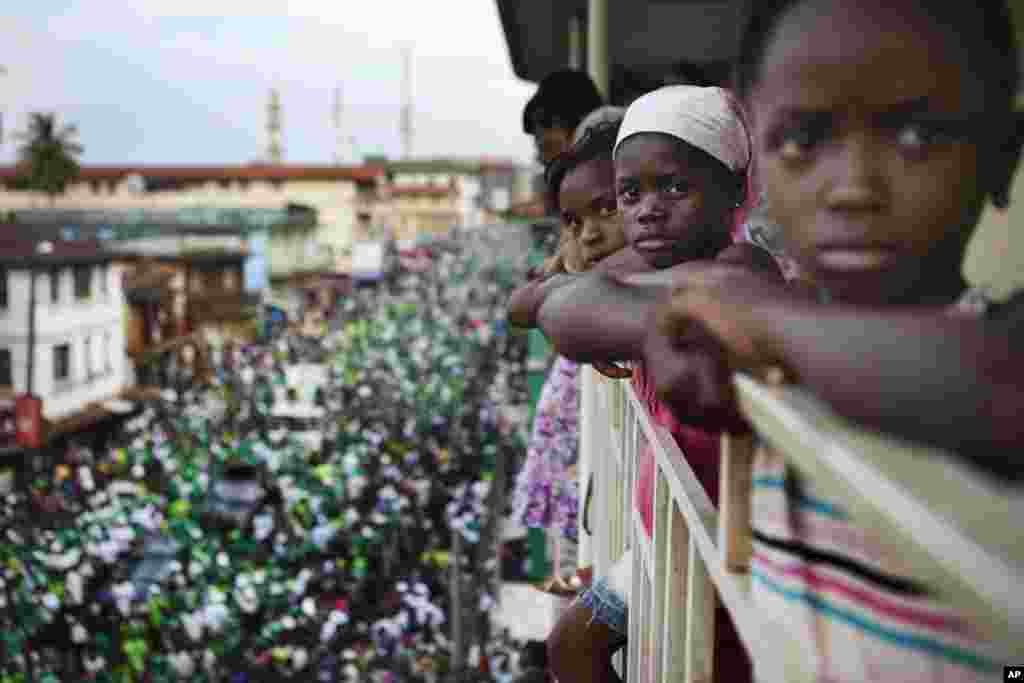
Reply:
x=79, y=324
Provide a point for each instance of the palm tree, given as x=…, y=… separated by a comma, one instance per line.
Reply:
x=48, y=155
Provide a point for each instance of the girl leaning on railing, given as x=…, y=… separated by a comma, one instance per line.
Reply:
x=881, y=132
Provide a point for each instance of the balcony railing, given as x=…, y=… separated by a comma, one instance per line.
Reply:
x=959, y=531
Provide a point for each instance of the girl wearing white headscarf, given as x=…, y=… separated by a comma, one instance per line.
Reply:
x=713, y=161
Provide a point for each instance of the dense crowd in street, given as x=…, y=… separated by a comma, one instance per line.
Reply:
x=297, y=517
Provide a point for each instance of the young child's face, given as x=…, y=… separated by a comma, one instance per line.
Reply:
x=589, y=210
x=550, y=142
x=674, y=202
x=861, y=114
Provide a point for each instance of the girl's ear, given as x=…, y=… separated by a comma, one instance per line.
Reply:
x=1007, y=158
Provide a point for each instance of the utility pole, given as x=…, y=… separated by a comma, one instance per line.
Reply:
x=345, y=151
x=339, y=136
x=457, y=615
x=3, y=72
x=275, y=150
x=407, y=110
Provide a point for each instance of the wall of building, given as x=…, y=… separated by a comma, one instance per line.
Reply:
x=336, y=201
x=291, y=250
x=93, y=328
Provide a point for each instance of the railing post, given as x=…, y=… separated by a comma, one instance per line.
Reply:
x=700, y=622
x=637, y=613
x=677, y=557
x=660, y=591
x=734, y=531
x=591, y=466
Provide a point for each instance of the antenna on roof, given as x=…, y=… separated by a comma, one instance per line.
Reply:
x=275, y=150
x=407, y=112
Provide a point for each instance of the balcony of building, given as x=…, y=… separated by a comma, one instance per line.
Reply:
x=957, y=529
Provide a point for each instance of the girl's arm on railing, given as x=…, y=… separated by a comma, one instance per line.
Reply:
x=598, y=318
x=956, y=383
x=607, y=316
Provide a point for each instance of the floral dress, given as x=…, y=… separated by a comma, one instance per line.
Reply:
x=547, y=495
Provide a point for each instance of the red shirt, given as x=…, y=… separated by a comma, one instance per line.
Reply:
x=700, y=448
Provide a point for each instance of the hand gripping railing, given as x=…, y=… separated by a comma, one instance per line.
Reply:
x=958, y=529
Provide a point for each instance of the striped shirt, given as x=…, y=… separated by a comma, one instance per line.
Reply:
x=858, y=614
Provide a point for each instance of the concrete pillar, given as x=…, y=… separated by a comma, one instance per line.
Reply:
x=597, y=44
x=575, y=42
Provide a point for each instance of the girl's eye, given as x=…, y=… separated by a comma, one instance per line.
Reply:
x=795, y=143
x=677, y=187
x=913, y=137
x=791, y=150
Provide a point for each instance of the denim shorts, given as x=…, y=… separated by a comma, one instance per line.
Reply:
x=608, y=608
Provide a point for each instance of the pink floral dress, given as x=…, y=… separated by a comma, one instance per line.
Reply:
x=547, y=493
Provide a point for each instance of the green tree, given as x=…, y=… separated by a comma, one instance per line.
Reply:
x=48, y=155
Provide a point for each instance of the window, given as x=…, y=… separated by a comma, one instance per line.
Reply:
x=108, y=353
x=62, y=362
x=87, y=352
x=6, y=375
x=54, y=284
x=83, y=282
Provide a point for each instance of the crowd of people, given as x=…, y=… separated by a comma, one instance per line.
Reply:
x=804, y=222
x=294, y=518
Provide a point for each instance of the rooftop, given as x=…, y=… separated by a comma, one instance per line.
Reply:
x=140, y=223
x=452, y=165
x=367, y=173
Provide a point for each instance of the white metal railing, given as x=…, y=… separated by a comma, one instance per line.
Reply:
x=958, y=529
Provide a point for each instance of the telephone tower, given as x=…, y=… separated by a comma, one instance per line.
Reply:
x=407, y=110
x=344, y=145
x=275, y=149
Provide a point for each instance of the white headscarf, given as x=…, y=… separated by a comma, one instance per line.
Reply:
x=703, y=117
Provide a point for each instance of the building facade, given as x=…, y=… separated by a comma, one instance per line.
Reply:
x=79, y=333
x=335, y=193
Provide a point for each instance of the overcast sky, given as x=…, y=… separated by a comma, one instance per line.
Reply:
x=187, y=81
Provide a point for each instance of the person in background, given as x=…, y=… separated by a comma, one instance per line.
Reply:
x=552, y=115
x=547, y=490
